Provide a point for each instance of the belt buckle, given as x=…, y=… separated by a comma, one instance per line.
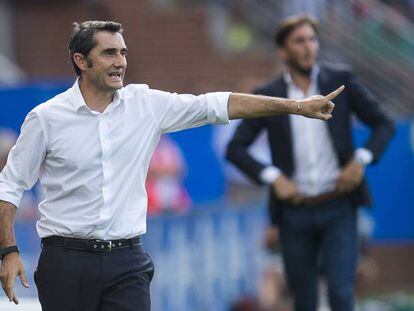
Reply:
x=102, y=246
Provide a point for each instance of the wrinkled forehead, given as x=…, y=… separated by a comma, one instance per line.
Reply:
x=109, y=40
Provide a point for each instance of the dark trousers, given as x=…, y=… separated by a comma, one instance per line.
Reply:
x=324, y=234
x=80, y=280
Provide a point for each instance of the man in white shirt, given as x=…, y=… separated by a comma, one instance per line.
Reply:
x=91, y=146
x=317, y=177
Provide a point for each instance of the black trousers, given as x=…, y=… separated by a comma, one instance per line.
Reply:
x=327, y=231
x=80, y=280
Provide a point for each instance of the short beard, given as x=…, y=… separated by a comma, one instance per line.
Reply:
x=300, y=70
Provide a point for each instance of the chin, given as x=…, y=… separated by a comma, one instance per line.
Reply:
x=306, y=65
x=305, y=70
x=115, y=86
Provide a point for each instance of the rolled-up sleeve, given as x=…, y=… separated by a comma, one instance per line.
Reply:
x=217, y=107
x=174, y=112
x=24, y=161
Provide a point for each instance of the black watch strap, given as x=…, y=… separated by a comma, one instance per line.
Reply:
x=7, y=250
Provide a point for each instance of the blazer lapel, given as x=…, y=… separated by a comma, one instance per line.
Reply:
x=325, y=87
x=284, y=120
x=284, y=126
x=281, y=91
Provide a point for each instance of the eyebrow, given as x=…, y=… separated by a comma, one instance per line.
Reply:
x=305, y=37
x=113, y=50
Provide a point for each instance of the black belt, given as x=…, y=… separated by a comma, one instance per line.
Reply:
x=91, y=245
x=321, y=198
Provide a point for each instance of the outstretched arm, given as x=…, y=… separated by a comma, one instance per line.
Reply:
x=245, y=106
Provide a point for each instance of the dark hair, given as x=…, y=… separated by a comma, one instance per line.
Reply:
x=289, y=24
x=82, y=38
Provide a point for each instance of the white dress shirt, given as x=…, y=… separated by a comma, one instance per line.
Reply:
x=316, y=164
x=92, y=166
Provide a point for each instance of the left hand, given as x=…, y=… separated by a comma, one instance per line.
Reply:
x=11, y=267
x=271, y=239
x=350, y=177
x=318, y=106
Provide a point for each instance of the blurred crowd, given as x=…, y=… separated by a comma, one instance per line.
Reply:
x=165, y=180
x=404, y=7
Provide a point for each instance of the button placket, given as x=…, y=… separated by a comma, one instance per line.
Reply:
x=310, y=138
x=104, y=128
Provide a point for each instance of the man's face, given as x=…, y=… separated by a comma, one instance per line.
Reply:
x=301, y=49
x=106, y=62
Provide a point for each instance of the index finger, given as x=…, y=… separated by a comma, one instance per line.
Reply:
x=335, y=93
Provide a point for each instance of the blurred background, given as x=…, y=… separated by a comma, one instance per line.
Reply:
x=206, y=222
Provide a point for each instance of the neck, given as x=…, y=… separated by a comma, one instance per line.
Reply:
x=95, y=99
x=302, y=80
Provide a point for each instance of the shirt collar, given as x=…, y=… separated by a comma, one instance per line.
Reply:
x=314, y=75
x=78, y=101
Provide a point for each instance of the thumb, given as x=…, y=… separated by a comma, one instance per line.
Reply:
x=23, y=278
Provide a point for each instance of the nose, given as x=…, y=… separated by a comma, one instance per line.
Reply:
x=308, y=44
x=120, y=60
x=311, y=44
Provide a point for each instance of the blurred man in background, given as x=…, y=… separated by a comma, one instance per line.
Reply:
x=317, y=178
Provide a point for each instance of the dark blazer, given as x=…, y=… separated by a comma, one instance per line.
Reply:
x=355, y=99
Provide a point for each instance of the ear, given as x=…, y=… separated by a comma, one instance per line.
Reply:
x=80, y=60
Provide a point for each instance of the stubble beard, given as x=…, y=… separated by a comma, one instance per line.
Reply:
x=294, y=65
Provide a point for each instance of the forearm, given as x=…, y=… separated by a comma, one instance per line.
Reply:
x=239, y=156
x=7, y=213
x=245, y=106
x=380, y=138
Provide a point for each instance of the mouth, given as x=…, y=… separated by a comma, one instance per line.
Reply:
x=116, y=76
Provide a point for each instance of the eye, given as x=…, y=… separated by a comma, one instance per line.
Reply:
x=108, y=52
x=300, y=40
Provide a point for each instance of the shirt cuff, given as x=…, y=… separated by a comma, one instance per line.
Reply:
x=270, y=174
x=363, y=156
x=217, y=107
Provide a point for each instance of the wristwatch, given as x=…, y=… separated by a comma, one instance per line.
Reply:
x=7, y=250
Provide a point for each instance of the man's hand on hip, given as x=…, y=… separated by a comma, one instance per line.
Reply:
x=11, y=267
x=350, y=177
x=271, y=239
x=286, y=190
